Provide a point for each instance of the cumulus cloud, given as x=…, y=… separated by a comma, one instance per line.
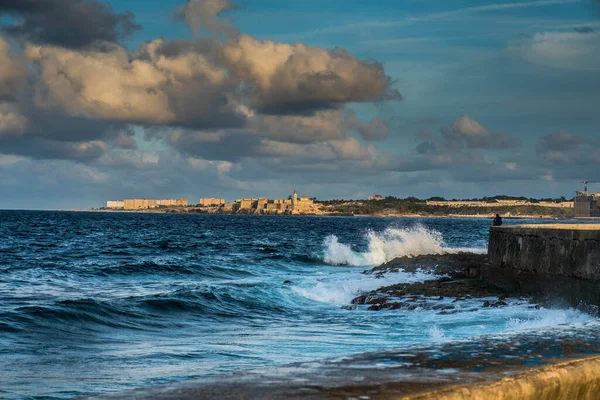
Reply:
x=216, y=102
x=375, y=129
x=466, y=131
x=124, y=139
x=200, y=14
x=199, y=85
x=235, y=145
x=12, y=122
x=459, y=147
x=69, y=23
x=187, y=89
x=300, y=79
x=323, y=125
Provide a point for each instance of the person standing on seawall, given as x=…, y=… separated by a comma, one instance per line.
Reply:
x=497, y=221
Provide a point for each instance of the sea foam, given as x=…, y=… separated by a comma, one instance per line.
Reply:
x=341, y=288
x=385, y=246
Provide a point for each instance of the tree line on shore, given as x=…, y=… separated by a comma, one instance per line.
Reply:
x=413, y=205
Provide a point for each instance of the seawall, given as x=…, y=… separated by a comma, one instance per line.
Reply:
x=561, y=261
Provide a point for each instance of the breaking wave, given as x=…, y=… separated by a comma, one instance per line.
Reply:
x=342, y=288
x=385, y=246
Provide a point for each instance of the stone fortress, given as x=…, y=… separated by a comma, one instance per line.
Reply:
x=293, y=205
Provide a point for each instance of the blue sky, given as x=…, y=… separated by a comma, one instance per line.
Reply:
x=427, y=98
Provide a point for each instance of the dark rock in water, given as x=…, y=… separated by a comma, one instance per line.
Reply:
x=459, y=265
x=359, y=300
x=445, y=294
x=432, y=295
x=287, y=282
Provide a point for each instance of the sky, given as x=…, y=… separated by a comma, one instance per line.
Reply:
x=105, y=100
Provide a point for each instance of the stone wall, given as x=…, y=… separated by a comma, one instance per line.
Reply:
x=562, y=261
x=577, y=380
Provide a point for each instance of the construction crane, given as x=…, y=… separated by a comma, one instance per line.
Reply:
x=585, y=184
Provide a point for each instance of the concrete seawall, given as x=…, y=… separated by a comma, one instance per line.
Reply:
x=562, y=261
x=576, y=379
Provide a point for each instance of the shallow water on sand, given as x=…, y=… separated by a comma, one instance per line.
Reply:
x=96, y=302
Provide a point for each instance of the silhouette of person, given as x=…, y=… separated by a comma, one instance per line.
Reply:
x=497, y=221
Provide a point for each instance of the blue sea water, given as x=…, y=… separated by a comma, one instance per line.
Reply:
x=98, y=302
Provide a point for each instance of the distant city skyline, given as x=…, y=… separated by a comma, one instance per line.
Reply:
x=340, y=99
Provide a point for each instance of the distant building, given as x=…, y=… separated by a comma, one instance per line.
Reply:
x=376, y=197
x=211, y=201
x=135, y=204
x=173, y=202
x=293, y=205
x=115, y=204
x=587, y=205
x=139, y=204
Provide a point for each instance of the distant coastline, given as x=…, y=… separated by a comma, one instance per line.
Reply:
x=194, y=210
x=378, y=206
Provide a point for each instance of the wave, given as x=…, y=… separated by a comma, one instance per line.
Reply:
x=385, y=246
x=340, y=289
x=544, y=318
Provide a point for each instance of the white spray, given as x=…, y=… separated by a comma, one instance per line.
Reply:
x=385, y=246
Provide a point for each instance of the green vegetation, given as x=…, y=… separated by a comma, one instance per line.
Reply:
x=412, y=205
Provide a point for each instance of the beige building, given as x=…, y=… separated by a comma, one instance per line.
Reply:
x=211, y=201
x=173, y=202
x=294, y=205
x=115, y=204
x=139, y=204
x=376, y=197
x=135, y=204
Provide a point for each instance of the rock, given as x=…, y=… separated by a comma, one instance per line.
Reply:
x=359, y=300
x=459, y=265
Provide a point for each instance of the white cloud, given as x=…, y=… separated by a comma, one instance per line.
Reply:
x=564, y=50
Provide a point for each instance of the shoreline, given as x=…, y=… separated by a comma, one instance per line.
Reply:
x=448, y=216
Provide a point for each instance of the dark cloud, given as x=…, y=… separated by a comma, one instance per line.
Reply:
x=202, y=14
x=124, y=139
x=562, y=148
x=224, y=145
x=12, y=73
x=560, y=141
x=376, y=129
x=468, y=132
x=45, y=149
x=584, y=29
x=67, y=23
x=426, y=148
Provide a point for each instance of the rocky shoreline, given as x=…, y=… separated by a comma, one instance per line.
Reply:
x=456, y=287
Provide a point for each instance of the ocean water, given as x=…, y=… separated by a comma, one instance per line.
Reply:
x=98, y=302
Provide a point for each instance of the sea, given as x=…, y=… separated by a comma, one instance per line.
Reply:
x=96, y=302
